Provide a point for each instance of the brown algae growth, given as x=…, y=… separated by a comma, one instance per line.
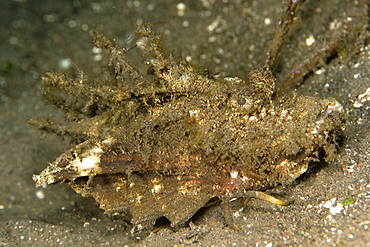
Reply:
x=166, y=143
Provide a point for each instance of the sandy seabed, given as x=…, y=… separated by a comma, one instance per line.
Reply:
x=229, y=38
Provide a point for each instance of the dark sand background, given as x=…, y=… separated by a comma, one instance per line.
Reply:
x=228, y=37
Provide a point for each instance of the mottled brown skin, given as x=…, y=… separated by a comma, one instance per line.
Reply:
x=168, y=142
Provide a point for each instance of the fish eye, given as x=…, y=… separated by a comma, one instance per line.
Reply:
x=242, y=101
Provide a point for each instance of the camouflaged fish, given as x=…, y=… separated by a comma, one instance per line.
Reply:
x=164, y=144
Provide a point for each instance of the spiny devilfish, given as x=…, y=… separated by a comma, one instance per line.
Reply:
x=165, y=144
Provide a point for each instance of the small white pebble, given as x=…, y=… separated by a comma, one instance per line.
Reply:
x=318, y=72
x=337, y=209
x=181, y=7
x=357, y=104
x=65, y=63
x=72, y=23
x=150, y=7
x=98, y=57
x=96, y=50
x=267, y=21
x=329, y=203
x=212, y=39
x=40, y=194
x=84, y=27
x=365, y=96
x=136, y=4
x=310, y=40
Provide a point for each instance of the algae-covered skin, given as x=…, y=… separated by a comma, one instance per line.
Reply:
x=165, y=143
